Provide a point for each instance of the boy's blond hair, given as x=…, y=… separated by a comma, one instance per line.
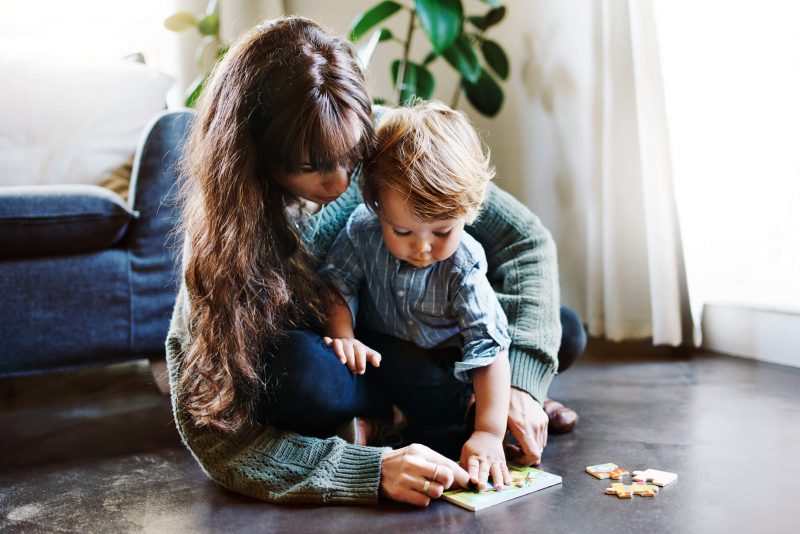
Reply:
x=431, y=155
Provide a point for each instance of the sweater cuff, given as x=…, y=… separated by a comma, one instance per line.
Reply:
x=358, y=476
x=530, y=374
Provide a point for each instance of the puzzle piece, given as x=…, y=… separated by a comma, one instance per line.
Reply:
x=654, y=476
x=624, y=491
x=522, y=479
x=609, y=470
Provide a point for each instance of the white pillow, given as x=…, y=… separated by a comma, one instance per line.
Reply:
x=72, y=123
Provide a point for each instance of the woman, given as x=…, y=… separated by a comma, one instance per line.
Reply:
x=271, y=168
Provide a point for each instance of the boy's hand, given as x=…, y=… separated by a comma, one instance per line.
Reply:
x=353, y=353
x=482, y=455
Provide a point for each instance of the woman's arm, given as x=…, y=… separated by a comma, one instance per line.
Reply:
x=265, y=462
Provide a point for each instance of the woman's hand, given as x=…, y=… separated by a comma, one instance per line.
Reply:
x=483, y=455
x=527, y=422
x=416, y=474
x=353, y=353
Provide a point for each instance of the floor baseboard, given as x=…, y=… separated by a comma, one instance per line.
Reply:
x=760, y=334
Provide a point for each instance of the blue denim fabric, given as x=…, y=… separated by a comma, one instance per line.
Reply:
x=309, y=391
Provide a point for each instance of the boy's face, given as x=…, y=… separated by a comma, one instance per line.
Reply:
x=416, y=242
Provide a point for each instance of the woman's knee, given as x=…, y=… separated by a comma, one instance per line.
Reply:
x=295, y=369
x=306, y=389
x=573, y=339
x=299, y=352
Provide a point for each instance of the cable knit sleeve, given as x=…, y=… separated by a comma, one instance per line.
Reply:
x=265, y=462
x=524, y=273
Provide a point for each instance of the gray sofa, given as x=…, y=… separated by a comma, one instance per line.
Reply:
x=86, y=278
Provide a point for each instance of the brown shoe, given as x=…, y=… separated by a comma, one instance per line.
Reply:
x=561, y=418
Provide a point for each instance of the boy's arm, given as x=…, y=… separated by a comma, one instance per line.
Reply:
x=482, y=323
x=344, y=270
x=485, y=354
x=340, y=321
x=523, y=270
x=341, y=339
x=492, y=393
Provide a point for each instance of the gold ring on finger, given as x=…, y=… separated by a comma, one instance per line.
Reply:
x=436, y=470
x=426, y=486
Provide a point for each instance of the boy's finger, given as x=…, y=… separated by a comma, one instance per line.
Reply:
x=327, y=340
x=338, y=348
x=351, y=359
x=484, y=475
x=374, y=358
x=473, y=465
x=506, y=474
x=497, y=476
x=361, y=359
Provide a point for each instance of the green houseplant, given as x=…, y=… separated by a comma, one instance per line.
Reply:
x=444, y=24
x=208, y=26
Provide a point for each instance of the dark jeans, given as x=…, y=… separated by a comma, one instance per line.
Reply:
x=309, y=391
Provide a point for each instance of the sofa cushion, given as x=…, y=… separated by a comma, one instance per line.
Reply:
x=73, y=122
x=61, y=219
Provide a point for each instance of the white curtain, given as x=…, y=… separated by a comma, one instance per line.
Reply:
x=636, y=284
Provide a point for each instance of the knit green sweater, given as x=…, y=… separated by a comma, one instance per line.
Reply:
x=274, y=465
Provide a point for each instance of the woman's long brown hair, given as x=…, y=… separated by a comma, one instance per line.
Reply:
x=285, y=92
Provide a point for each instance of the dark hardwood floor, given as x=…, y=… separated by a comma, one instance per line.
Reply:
x=96, y=451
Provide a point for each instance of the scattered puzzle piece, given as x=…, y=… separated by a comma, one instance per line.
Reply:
x=609, y=470
x=624, y=491
x=654, y=476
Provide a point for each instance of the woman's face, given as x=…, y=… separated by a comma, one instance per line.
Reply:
x=320, y=187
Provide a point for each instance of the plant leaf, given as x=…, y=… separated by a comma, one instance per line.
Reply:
x=194, y=90
x=492, y=3
x=371, y=17
x=209, y=25
x=485, y=95
x=495, y=57
x=441, y=20
x=463, y=58
x=417, y=81
x=488, y=20
x=180, y=21
x=385, y=35
x=430, y=58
